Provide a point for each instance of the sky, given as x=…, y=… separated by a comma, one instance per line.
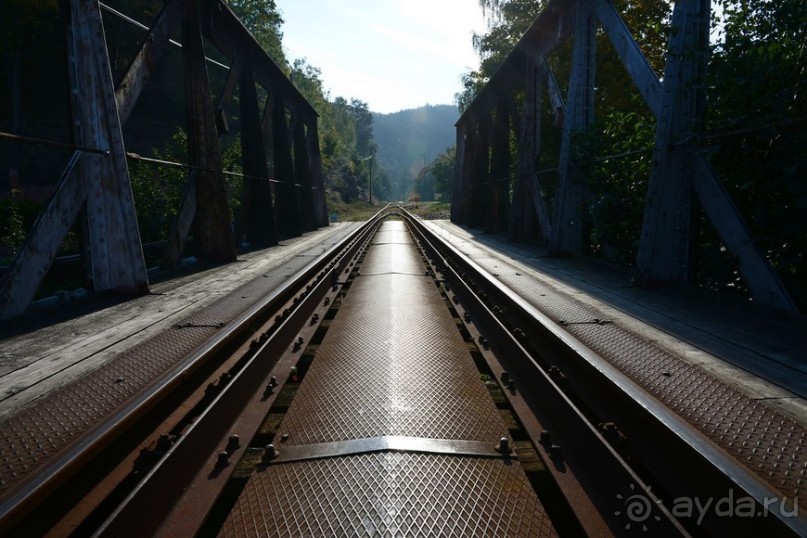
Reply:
x=392, y=54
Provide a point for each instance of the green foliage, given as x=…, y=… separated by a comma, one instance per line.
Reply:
x=615, y=171
x=757, y=109
x=16, y=215
x=442, y=168
x=263, y=20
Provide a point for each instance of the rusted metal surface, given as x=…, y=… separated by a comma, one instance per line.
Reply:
x=746, y=443
x=394, y=385
x=182, y=486
x=38, y=442
x=390, y=494
x=770, y=444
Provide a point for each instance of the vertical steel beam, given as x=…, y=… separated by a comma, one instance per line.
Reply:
x=285, y=199
x=481, y=186
x=213, y=229
x=457, y=197
x=528, y=207
x=666, y=241
x=567, y=231
x=302, y=173
x=499, y=169
x=317, y=180
x=763, y=282
x=116, y=255
x=95, y=181
x=258, y=216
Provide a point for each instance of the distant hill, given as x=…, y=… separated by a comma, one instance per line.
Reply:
x=410, y=139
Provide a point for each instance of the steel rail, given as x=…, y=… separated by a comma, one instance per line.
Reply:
x=678, y=456
x=169, y=479
x=25, y=497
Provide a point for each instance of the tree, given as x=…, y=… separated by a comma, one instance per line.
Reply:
x=264, y=21
x=442, y=168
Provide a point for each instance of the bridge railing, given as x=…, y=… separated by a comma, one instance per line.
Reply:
x=680, y=175
x=95, y=186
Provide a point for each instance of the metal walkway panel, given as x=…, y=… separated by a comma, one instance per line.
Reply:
x=37, y=433
x=392, y=363
x=389, y=494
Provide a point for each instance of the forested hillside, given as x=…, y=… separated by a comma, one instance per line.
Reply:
x=410, y=139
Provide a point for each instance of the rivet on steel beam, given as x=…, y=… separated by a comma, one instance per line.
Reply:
x=298, y=344
x=269, y=452
x=483, y=342
x=293, y=374
x=467, y=317
x=455, y=299
x=327, y=301
x=273, y=381
x=314, y=319
x=284, y=437
x=511, y=384
x=223, y=459
x=505, y=377
x=503, y=446
x=545, y=438
x=233, y=442
x=555, y=452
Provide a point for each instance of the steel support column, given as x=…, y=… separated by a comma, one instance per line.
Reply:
x=567, y=231
x=258, y=214
x=458, y=199
x=302, y=173
x=317, y=180
x=213, y=231
x=666, y=241
x=95, y=181
x=481, y=179
x=499, y=202
x=285, y=198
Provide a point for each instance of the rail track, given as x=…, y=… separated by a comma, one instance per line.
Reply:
x=175, y=459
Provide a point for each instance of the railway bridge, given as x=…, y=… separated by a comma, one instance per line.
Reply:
x=398, y=376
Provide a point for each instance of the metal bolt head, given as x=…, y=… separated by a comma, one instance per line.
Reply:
x=505, y=377
x=233, y=442
x=546, y=438
x=555, y=452
x=503, y=446
x=269, y=452
x=223, y=459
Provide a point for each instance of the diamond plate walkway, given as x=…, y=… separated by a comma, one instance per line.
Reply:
x=58, y=382
x=737, y=375
x=392, y=365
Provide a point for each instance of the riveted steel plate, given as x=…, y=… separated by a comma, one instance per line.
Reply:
x=389, y=494
x=764, y=440
x=770, y=444
x=392, y=363
x=38, y=432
